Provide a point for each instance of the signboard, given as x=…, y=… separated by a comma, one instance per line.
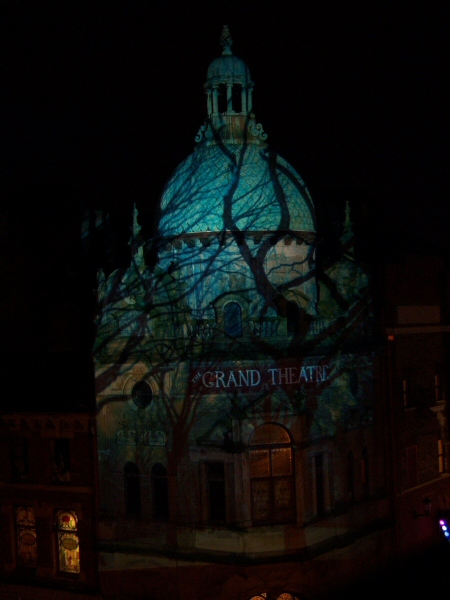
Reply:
x=217, y=379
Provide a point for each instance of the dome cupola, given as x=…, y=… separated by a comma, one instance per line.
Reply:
x=229, y=90
x=233, y=181
x=228, y=83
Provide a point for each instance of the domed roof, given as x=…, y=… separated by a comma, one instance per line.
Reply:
x=235, y=186
x=228, y=69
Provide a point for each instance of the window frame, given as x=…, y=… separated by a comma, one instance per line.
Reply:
x=66, y=532
x=270, y=480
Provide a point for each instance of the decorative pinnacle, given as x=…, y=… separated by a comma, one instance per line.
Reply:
x=227, y=41
x=136, y=227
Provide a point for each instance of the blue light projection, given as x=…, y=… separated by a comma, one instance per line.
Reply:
x=234, y=323
x=260, y=190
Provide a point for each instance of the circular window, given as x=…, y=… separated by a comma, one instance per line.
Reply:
x=142, y=394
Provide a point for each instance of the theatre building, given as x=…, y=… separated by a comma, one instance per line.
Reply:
x=237, y=383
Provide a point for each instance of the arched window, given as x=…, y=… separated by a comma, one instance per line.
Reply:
x=232, y=314
x=160, y=492
x=350, y=477
x=68, y=542
x=365, y=473
x=26, y=537
x=293, y=318
x=142, y=394
x=272, y=475
x=132, y=490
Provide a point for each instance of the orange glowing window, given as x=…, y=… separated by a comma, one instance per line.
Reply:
x=68, y=542
x=26, y=537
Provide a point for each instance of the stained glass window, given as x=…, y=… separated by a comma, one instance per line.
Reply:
x=26, y=537
x=68, y=542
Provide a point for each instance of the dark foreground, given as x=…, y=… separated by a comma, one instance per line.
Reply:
x=423, y=576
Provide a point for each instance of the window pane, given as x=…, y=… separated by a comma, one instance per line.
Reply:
x=67, y=521
x=269, y=434
x=26, y=537
x=261, y=500
x=69, y=553
x=68, y=543
x=281, y=461
x=284, y=508
x=259, y=463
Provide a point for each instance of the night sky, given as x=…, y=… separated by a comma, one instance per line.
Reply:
x=100, y=104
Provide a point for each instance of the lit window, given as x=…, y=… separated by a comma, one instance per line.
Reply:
x=142, y=394
x=233, y=319
x=271, y=475
x=26, y=537
x=68, y=542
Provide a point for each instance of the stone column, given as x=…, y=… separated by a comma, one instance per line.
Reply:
x=250, y=100
x=244, y=100
x=215, y=100
x=229, y=97
x=209, y=102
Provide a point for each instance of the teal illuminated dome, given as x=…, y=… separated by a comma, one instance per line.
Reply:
x=232, y=181
x=263, y=191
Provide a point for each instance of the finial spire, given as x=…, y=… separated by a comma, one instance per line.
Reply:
x=136, y=242
x=136, y=227
x=226, y=40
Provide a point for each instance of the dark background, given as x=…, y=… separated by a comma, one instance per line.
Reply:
x=101, y=103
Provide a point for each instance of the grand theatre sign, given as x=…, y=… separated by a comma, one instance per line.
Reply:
x=209, y=379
